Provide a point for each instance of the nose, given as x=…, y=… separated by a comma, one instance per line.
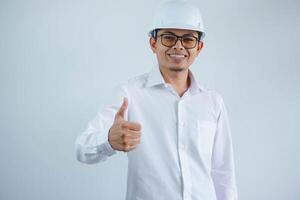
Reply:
x=178, y=45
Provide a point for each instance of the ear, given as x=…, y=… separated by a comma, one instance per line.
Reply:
x=200, y=46
x=152, y=43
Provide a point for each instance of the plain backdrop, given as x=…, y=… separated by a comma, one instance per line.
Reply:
x=60, y=60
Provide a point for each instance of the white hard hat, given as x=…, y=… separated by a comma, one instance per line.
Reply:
x=177, y=14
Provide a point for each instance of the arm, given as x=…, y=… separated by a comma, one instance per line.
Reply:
x=92, y=145
x=223, y=170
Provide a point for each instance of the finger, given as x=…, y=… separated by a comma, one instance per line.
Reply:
x=133, y=134
x=122, y=110
x=131, y=142
x=134, y=142
x=135, y=126
x=130, y=134
x=129, y=147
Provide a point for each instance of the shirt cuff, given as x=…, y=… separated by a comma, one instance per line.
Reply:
x=108, y=148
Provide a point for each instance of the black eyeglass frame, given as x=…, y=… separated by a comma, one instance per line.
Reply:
x=178, y=38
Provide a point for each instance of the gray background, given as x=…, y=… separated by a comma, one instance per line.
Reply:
x=59, y=61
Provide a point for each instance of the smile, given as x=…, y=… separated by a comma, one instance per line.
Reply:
x=177, y=55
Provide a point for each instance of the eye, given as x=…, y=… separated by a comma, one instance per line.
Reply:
x=169, y=37
x=188, y=39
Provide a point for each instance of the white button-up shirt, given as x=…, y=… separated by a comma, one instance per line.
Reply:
x=185, y=152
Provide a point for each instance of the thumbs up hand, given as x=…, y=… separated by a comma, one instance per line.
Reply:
x=124, y=135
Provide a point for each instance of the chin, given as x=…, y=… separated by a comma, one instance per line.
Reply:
x=177, y=68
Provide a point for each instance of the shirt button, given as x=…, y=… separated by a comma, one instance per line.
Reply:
x=181, y=124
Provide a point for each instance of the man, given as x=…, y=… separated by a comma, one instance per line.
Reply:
x=174, y=130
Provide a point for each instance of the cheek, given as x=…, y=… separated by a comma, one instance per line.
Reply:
x=160, y=57
x=161, y=54
x=193, y=55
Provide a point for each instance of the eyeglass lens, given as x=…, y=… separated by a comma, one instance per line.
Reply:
x=187, y=42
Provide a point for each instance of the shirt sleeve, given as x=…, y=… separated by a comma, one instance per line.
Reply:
x=223, y=169
x=92, y=145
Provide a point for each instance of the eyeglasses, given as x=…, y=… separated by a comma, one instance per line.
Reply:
x=187, y=41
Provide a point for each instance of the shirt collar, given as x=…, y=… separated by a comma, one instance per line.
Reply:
x=155, y=78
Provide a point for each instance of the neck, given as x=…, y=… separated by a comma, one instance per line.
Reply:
x=179, y=79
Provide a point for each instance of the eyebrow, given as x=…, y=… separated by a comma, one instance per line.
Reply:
x=188, y=34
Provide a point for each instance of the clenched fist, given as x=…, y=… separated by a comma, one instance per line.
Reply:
x=124, y=135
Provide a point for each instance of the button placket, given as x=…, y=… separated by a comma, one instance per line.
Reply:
x=182, y=149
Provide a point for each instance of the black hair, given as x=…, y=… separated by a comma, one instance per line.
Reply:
x=154, y=33
x=200, y=34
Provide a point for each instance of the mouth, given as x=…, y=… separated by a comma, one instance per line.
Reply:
x=177, y=58
x=177, y=55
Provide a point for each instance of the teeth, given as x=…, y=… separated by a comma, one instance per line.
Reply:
x=177, y=55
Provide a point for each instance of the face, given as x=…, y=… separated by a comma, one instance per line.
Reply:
x=176, y=57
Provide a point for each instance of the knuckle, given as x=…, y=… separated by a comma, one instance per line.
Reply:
x=126, y=143
x=127, y=148
x=125, y=137
x=123, y=133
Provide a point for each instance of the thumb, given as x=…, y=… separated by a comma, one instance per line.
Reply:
x=121, y=112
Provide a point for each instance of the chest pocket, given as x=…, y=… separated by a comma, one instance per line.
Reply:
x=205, y=132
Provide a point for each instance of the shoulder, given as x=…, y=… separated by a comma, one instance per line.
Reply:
x=136, y=82
x=215, y=97
x=139, y=80
x=211, y=92
x=133, y=83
